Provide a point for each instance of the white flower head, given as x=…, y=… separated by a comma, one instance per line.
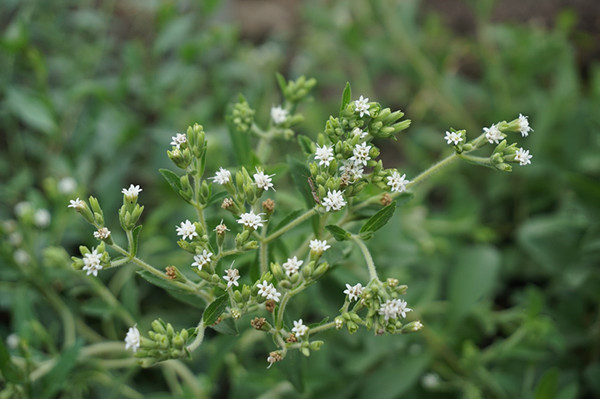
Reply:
x=268, y=291
x=396, y=182
x=91, y=263
x=132, y=192
x=250, y=219
x=132, y=339
x=324, y=155
x=493, y=134
x=524, y=125
x=292, y=265
x=223, y=176
x=76, y=204
x=202, y=259
x=102, y=234
x=523, y=157
x=318, y=246
x=263, y=181
x=23, y=208
x=186, y=230
x=401, y=307
x=41, y=218
x=178, y=140
x=361, y=106
x=392, y=308
x=67, y=185
x=21, y=257
x=221, y=228
x=334, y=200
x=232, y=276
x=279, y=115
x=353, y=170
x=453, y=137
x=359, y=132
x=354, y=292
x=299, y=328
x=361, y=153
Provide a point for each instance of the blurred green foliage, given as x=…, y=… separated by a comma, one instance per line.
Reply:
x=502, y=268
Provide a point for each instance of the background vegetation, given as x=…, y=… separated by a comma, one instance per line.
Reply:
x=502, y=268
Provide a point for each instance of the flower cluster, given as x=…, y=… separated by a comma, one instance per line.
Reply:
x=392, y=308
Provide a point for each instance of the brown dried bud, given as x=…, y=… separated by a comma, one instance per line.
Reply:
x=258, y=322
x=227, y=203
x=291, y=339
x=270, y=305
x=385, y=199
x=268, y=206
x=344, y=180
x=273, y=358
x=170, y=272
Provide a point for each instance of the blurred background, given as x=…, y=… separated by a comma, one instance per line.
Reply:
x=503, y=269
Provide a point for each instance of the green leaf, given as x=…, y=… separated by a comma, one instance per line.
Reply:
x=182, y=295
x=31, y=110
x=377, y=221
x=281, y=82
x=473, y=278
x=338, y=233
x=241, y=145
x=346, y=97
x=546, y=388
x=171, y=178
x=58, y=377
x=136, y=236
x=305, y=144
x=227, y=327
x=9, y=370
x=215, y=309
x=300, y=175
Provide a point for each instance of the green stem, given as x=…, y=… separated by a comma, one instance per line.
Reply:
x=367, y=256
x=263, y=251
x=286, y=297
x=322, y=327
x=199, y=337
x=291, y=224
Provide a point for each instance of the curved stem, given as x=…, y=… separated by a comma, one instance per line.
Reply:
x=199, y=337
x=367, y=256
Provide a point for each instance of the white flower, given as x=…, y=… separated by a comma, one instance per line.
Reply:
x=299, y=328
x=178, y=140
x=292, y=265
x=268, y=291
x=359, y=132
x=22, y=208
x=361, y=153
x=91, y=263
x=362, y=106
x=430, y=381
x=21, y=257
x=132, y=339
x=396, y=182
x=132, y=192
x=353, y=170
x=334, y=200
x=102, y=233
x=223, y=176
x=523, y=156
x=251, y=220
x=324, y=155
x=524, y=125
x=318, y=246
x=339, y=323
x=493, y=134
x=67, y=185
x=453, y=137
x=12, y=341
x=76, y=203
x=232, y=276
x=186, y=230
x=202, y=259
x=41, y=218
x=263, y=181
x=392, y=308
x=279, y=115
x=354, y=292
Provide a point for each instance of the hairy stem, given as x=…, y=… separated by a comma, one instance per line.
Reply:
x=367, y=256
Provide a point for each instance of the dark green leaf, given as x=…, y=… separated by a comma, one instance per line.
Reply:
x=134, y=242
x=338, y=233
x=9, y=370
x=171, y=178
x=305, y=144
x=281, y=82
x=377, y=221
x=546, y=388
x=227, y=327
x=346, y=97
x=300, y=175
x=58, y=377
x=215, y=309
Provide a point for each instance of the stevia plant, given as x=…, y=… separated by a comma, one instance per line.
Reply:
x=349, y=195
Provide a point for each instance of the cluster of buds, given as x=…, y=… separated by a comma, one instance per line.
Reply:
x=130, y=211
x=92, y=261
x=241, y=116
x=162, y=343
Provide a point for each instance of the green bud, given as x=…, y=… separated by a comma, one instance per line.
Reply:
x=215, y=279
x=308, y=270
x=246, y=292
x=250, y=245
x=159, y=326
x=352, y=327
x=320, y=270
x=285, y=284
x=277, y=271
x=77, y=263
x=170, y=331
x=305, y=351
x=204, y=192
x=237, y=297
x=178, y=341
x=412, y=327
x=316, y=345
